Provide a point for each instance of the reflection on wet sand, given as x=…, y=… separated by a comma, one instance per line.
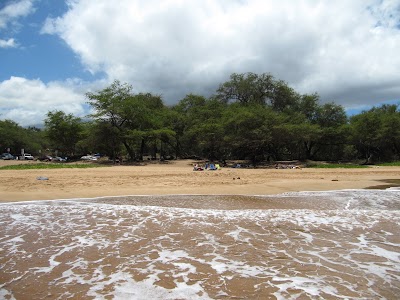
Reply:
x=329, y=245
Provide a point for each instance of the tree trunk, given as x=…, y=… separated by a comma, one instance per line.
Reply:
x=177, y=149
x=130, y=151
x=154, y=152
x=142, y=144
x=308, y=147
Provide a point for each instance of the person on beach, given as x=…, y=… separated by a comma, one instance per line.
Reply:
x=196, y=167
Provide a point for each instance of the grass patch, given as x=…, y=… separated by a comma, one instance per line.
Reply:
x=40, y=166
x=390, y=164
x=336, y=166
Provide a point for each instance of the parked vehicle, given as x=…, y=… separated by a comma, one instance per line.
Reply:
x=58, y=158
x=89, y=157
x=45, y=158
x=7, y=156
x=27, y=156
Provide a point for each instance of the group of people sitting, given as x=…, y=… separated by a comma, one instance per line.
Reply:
x=207, y=166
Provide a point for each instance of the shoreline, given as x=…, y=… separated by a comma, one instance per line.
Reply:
x=178, y=178
x=127, y=198
x=170, y=243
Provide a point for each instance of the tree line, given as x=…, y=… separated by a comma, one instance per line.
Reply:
x=251, y=116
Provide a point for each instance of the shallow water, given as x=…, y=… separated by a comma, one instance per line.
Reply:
x=309, y=245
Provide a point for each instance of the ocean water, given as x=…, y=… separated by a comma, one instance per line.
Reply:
x=308, y=245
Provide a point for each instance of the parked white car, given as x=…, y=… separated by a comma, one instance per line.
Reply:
x=89, y=157
x=27, y=156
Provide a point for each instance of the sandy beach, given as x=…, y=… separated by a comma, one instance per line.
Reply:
x=310, y=234
x=178, y=177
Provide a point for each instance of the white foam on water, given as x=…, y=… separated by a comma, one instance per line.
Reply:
x=311, y=286
x=5, y=294
x=132, y=290
x=142, y=252
x=356, y=198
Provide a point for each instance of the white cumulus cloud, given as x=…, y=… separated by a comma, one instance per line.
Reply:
x=347, y=51
x=28, y=101
x=9, y=15
x=14, y=10
x=10, y=43
x=344, y=50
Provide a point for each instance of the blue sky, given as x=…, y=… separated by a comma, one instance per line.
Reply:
x=52, y=51
x=39, y=55
x=36, y=55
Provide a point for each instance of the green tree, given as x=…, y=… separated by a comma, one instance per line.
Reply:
x=198, y=127
x=376, y=134
x=248, y=88
x=297, y=140
x=135, y=117
x=390, y=131
x=63, y=131
x=100, y=137
x=258, y=89
x=10, y=136
x=332, y=141
x=283, y=97
x=312, y=131
x=188, y=116
x=176, y=121
x=15, y=138
x=248, y=131
x=308, y=106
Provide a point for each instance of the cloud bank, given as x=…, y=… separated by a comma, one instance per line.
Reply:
x=344, y=50
x=347, y=51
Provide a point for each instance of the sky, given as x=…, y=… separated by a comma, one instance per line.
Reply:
x=52, y=52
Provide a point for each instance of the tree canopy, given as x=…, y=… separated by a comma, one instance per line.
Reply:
x=250, y=116
x=63, y=131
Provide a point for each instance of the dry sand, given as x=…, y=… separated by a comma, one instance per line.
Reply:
x=177, y=177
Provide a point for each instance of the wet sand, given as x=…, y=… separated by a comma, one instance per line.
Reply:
x=326, y=245
x=222, y=243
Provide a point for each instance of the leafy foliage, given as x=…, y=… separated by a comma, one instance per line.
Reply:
x=251, y=116
x=376, y=133
x=64, y=131
x=15, y=138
